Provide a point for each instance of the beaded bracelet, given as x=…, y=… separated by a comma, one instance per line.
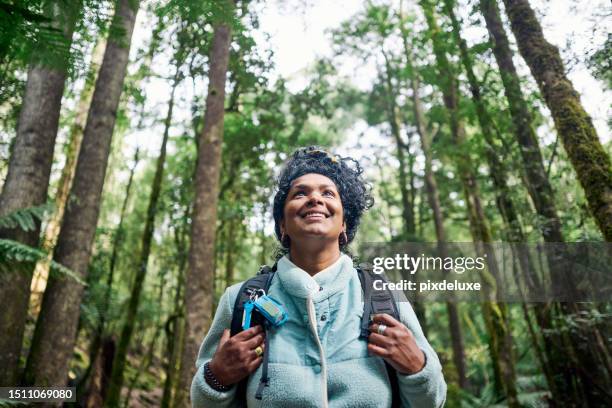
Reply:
x=212, y=380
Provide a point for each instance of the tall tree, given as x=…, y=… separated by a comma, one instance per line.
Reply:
x=433, y=197
x=495, y=315
x=499, y=172
x=93, y=382
x=116, y=381
x=30, y=168
x=57, y=324
x=200, y=272
x=574, y=125
x=562, y=379
x=406, y=170
x=73, y=145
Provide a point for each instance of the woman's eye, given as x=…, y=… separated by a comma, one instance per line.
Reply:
x=299, y=193
x=329, y=193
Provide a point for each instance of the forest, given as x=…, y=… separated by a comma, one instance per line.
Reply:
x=140, y=141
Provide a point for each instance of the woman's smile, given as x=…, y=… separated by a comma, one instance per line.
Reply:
x=314, y=216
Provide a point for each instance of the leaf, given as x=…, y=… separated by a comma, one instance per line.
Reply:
x=13, y=251
x=25, y=218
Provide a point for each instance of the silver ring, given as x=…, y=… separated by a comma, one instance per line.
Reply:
x=381, y=329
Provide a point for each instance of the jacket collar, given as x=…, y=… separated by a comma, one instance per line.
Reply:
x=324, y=284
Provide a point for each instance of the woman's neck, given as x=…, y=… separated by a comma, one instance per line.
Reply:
x=314, y=262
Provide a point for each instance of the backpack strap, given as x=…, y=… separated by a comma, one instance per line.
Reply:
x=377, y=302
x=262, y=280
x=374, y=301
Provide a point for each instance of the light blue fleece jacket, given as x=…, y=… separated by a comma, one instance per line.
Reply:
x=317, y=358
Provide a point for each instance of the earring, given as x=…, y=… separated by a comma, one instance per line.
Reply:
x=284, y=240
x=343, y=238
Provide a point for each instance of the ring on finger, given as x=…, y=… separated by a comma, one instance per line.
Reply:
x=258, y=351
x=381, y=329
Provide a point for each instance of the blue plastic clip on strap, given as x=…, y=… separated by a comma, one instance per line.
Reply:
x=246, y=315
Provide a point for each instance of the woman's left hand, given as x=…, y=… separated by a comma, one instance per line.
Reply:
x=396, y=345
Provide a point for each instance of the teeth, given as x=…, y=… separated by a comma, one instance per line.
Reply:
x=314, y=213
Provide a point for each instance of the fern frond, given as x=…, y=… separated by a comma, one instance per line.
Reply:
x=8, y=403
x=25, y=218
x=13, y=251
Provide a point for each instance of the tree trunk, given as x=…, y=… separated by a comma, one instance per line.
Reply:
x=116, y=382
x=563, y=382
x=576, y=130
x=433, y=197
x=498, y=170
x=408, y=221
x=85, y=384
x=57, y=324
x=28, y=175
x=233, y=237
x=41, y=272
x=495, y=315
x=174, y=334
x=145, y=363
x=200, y=272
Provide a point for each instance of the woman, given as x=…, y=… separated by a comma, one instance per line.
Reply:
x=316, y=359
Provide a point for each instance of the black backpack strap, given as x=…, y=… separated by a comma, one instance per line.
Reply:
x=377, y=302
x=262, y=280
x=374, y=301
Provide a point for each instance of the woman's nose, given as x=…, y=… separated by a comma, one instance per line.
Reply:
x=315, y=198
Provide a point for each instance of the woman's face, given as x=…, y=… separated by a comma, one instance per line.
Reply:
x=313, y=210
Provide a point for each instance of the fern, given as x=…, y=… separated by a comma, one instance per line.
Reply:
x=25, y=218
x=10, y=403
x=12, y=252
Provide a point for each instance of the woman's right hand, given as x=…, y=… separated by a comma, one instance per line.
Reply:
x=236, y=357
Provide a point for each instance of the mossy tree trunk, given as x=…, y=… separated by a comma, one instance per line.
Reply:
x=574, y=125
x=498, y=170
x=200, y=271
x=29, y=170
x=495, y=315
x=57, y=323
x=561, y=352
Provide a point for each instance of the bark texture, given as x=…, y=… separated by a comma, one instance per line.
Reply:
x=200, y=271
x=563, y=350
x=574, y=125
x=57, y=324
x=73, y=146
x=28, y=175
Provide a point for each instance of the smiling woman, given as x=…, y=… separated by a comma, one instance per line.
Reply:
x=319, y=357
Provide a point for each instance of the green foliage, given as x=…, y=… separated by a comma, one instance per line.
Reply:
x=8, y=403
x=15, y=255
x=25, y=218
x=600, y=62
x=13, y=252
